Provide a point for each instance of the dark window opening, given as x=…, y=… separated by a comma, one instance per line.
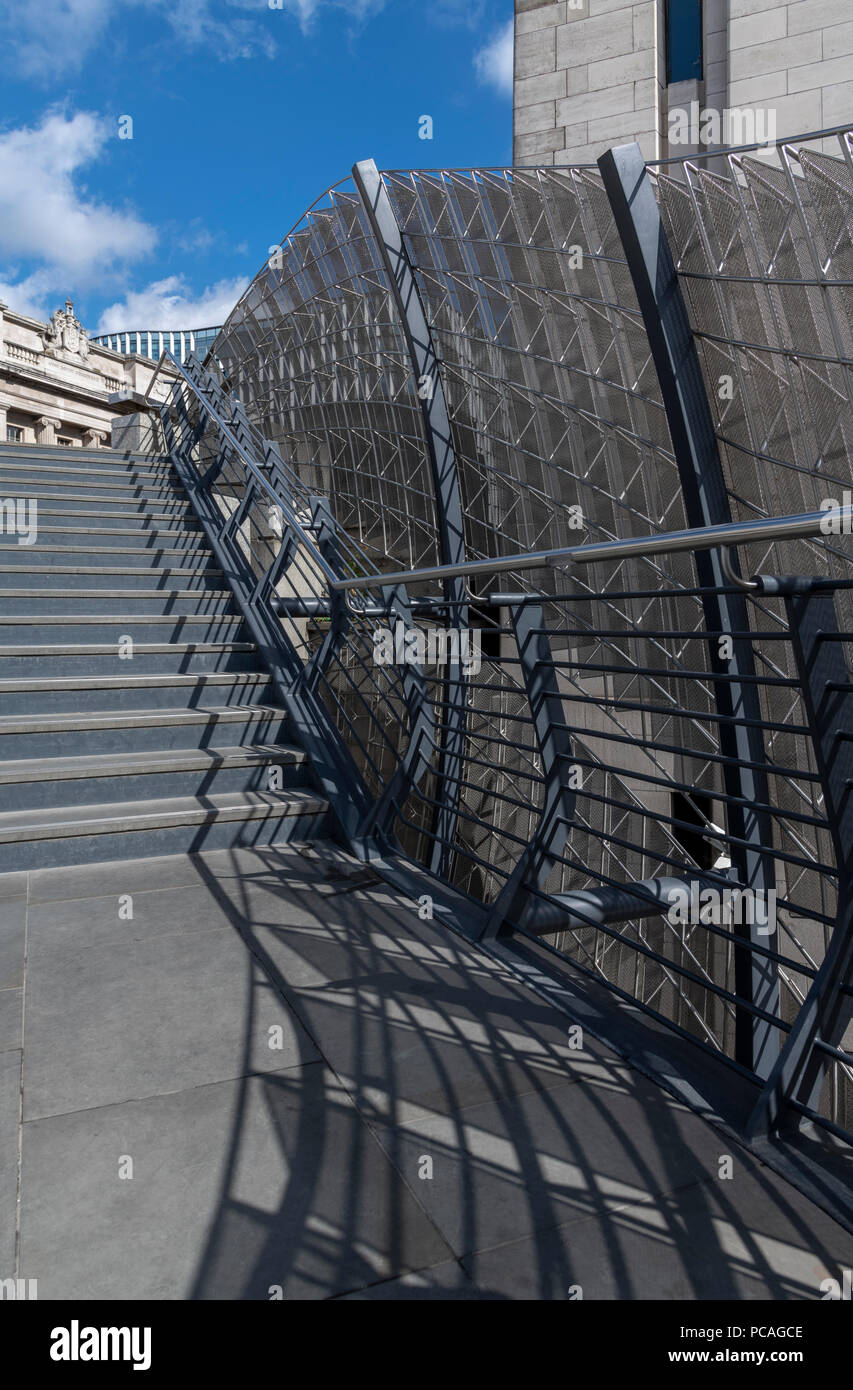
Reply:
x=487, y=623
x=696, y=808
x=683, y=40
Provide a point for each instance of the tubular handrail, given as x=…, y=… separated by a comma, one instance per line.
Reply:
x=730, y=533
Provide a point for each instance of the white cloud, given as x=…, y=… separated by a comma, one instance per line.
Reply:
x=306, y=11
x=66, y=241
x=204, y=23
x=47, y=39
x=35, y=295
x=170, y=304
x=493, y=63
x=43, y=215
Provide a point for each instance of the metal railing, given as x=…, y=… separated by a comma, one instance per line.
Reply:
x=608, y=796
x=444, y=376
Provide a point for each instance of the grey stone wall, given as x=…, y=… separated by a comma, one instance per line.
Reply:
x=587, y=76
x=592, y=73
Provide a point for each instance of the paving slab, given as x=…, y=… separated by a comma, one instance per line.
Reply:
x=445, y=1283
x=148, y=1016
x=300, y=1167
x=167, y=871
x=414, y=1022
x=12, y=886
x=502, y=1169
x=81, y=924
x=10, y=1103
x=13, y=923
x=238, y=1188
x=11, y=1019
x=712, y=1240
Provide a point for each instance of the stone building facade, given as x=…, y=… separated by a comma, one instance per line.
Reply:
x=594, y=73
x=56, y=387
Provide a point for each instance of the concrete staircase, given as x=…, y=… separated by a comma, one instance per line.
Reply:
x=104, y=757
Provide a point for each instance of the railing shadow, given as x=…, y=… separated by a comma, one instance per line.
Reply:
x=578, y=1169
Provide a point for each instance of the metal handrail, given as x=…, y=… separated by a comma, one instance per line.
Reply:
x=258, y=475
x=730, y=533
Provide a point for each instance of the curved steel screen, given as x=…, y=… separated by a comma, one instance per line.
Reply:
x=559, y=434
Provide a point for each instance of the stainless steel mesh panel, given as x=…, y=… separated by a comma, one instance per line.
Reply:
x=555, y=408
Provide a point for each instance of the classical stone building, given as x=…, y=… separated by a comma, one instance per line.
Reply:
x=594, y=73
x=57, y=387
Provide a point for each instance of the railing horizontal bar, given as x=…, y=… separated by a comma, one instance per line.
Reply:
x=823, y=1120
x=677, y=712
x=722, y=152
x=776, y=351
x=678, y=674
x=457, y=847
x=712, y=875
x=620, y=635
x=712, y=928
x=685, y=972
x=690, y=788
x=635, y=741
x=598, y=977
x=471, y=817
x=837, y=1053
x=704, y=832
x=729, y=533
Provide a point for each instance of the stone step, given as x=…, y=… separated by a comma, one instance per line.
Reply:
x=107, y=518
x=180, y=536
x=61, y=502
x=63, y=835
x=127, y=730
x=76, y=486
x=103, y=627
x=41, y=695
x=109, y=577
x=48, y=453
x=180, y=602
x=31, y=784
x=113, y=470
x=48, y=553
x=150, y=658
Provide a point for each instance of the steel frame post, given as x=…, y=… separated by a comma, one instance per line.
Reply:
x=325, y=529
x=555, y=747
x=801, y=1066
x=448, y=499
x=650, y=263
x=417, y=757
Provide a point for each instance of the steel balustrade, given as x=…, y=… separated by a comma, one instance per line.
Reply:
x=643, y=717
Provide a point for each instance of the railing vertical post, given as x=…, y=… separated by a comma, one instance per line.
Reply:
x=554, y=743
x=825, y=681
x=325, y=529
x=448, y=500
x=691, y=427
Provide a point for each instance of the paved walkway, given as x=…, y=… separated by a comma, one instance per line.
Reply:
x=315, y=1091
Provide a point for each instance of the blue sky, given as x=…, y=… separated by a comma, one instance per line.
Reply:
x=243, y=112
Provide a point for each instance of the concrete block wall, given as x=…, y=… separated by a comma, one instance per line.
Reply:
x=592, y=73
x=587, y=75
x=795, y=58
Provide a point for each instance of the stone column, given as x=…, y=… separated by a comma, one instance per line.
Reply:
x=94, y=439
x=46, y=428
x=4, y=410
